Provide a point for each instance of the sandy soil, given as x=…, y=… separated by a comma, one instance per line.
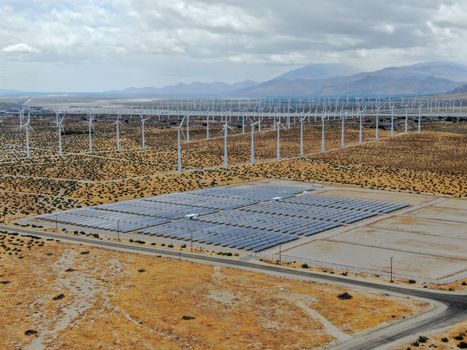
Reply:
x=431, y=162
x=449, y=339
x=126, y=301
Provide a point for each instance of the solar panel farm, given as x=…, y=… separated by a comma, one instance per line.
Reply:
x=128, y=215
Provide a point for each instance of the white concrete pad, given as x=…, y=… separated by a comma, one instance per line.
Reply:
x=427, y=266
x=438, y=213
x=407, y=242
x=453, y=203
x=427, y=226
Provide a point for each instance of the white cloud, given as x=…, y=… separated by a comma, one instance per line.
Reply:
x=20, y=48
x=176, y=39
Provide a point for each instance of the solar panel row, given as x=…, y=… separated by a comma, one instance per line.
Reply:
x=158, y=209
x=337, y=215
x=256, y=192
x=103, y=220
x=219, y=235
x=269, y=223
x=197, y=201
x=346, y=203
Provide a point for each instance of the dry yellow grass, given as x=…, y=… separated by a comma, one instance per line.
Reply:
x=128, y=301
x=432, y=162
x=447, y=340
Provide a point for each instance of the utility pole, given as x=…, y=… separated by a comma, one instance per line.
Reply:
x=391, y=280
x=280, y=254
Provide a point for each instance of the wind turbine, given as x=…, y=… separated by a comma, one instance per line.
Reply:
x=406, y=126
x=143, y=139
x=179, y=146
x=343, y=116
x=360, y=130
x=207, y=126
x=59, y=124
x=323, y=145
x=117, y=130
x=419, y=127
x=187, y=129
x=226, y=156
x=302, y=146
x=27, y=126
x=253, y=160
x=90, y=127
x=378, y=109
x=278, y=140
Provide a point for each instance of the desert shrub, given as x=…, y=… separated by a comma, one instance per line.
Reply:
x=344, y=296
x=30, y=332
x=422, y=339
x=59, y=297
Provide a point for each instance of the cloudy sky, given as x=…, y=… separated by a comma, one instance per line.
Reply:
x=94, y=45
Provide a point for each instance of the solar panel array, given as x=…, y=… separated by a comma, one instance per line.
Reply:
x=250, y=217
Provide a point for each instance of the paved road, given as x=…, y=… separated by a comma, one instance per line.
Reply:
x=453, y=307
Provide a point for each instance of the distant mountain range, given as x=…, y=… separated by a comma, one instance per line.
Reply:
x=430, y=78
x=319, y=71
x=180, y=90
x=419, y=79
x=460, y=90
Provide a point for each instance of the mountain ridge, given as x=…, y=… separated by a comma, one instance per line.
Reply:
x=426, y=78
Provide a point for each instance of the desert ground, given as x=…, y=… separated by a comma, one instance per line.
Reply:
x=60, y=296
x=47, y=182
x=449, y=339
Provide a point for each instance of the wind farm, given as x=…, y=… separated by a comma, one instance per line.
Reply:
x=271, y=201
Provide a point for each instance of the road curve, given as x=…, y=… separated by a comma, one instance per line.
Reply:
x=454, y=308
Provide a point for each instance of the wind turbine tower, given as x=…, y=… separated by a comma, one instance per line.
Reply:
x=59, y=123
